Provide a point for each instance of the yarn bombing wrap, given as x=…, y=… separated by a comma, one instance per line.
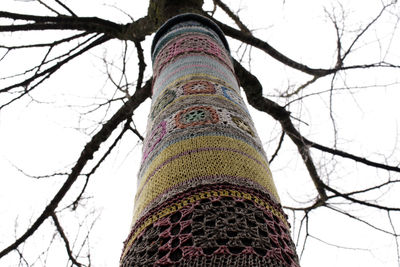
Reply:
x=205, y=194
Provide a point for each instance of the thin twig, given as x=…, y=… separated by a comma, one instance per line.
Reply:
x=361, y=202
x=234, y=17
x=66, y=8
x=64, y=237
x=278, y=148
x=358, y=219
x=395, y=237
x=87, y=154
x=48, y=7
x=108, y=152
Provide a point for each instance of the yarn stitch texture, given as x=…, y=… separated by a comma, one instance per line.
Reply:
x=205, y=193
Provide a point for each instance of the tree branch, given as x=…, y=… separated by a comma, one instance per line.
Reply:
x=264, y=46
x=66, y=8
x=108, y=152
x=234, y=17
x=45, y=74
x=349, y=49
x=351, y=156
x=87, y=154
x=142, y=64
x=361, y=202
x=253, y=90
x=88, y=24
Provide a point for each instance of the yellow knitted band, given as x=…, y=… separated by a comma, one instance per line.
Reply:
x=209, y=156
x=196, y=197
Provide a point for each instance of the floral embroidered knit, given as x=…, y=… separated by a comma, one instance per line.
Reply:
x=205, y=193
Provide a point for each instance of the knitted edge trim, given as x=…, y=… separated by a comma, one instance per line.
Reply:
x=185, y=17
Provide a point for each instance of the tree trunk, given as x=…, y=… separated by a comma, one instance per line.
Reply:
x=205, y=192
x=162, y=10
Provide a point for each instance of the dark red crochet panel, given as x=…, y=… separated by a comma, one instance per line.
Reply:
x=215, y=232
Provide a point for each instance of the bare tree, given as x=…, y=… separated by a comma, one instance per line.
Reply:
x=65, y=37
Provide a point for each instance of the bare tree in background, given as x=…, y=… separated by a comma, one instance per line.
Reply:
x=73, y=36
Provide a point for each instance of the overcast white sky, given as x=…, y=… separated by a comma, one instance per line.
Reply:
x=46, y=135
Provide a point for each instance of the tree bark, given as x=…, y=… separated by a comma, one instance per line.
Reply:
x=161, y=10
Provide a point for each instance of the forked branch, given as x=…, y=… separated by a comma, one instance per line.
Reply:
x=86, y=155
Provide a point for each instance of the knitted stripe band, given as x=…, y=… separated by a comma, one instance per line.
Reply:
x=205, y=193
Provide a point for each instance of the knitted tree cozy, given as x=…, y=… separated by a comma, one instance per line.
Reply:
x=205, y=193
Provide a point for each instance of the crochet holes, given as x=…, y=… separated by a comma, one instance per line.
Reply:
x=277, y=229
x=187, y=44
x=260, y=251
x=262, y=233
x=274, y=242
x=162, y=228
x=199, y=232
x=231, y=233
x=259, y=219
x=203, y=201
x=232, y=221
x=286, y=258
x=216, y=203
x=175, y=242
x=281, y=242
x=190, y=44
x=176, y=229
x=165, y=240
x=286, y=240
x=214, y=226
x=240, y=204
x=267, y=217
x=222, y=241
x=186, y=230
x=235, y=250
x=271, y=230
x=197, y=115
x=188, y=243
x=250, y=223
x=175, y=217
x=199, y=87
x=162, y=253
x=209, y=251
x=198, y=218
x=242, y=125
x=153, y=250
x=187, y=217
x=246, y=241
x=231, y=209
x=176, y=255
x=210, y=223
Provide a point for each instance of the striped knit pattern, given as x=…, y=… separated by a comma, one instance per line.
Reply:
x=205, y=193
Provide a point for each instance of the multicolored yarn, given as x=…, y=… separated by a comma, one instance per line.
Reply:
x=205, y=193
